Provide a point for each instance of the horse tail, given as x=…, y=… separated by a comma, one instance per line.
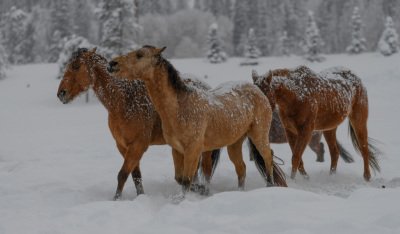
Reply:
x=344, y=154
x=215, y=155
x=373, y=151
x=279, y=175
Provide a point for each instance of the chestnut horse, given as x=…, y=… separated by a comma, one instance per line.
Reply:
x=277, y=132
x=195, y=120
x=308, y=101
x=132, y=120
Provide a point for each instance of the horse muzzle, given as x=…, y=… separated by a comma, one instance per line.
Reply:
x=112, y=67
x=62, y=95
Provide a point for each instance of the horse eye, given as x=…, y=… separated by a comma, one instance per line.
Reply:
x=139, y=55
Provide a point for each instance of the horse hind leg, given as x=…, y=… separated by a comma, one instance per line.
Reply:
x=236, y=156
x=317, y=146
x=330, y=137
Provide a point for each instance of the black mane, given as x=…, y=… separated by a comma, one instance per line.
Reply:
x=173, y=75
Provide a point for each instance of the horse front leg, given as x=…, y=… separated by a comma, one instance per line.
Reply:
x=302, y=138
x=132, y=157
x=137, y=179
x=191, y=160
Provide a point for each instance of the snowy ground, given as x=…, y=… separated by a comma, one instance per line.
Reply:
x=58, y=166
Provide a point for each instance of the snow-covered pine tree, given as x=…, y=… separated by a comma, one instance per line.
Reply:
x=284, y=44
x=252, y=52
x=118, y=26
x=60, y=28
x=71, y=44
x=389, y=41
x=358, y=41
x=215, y=53
x=3, y=61
x=14, y=33
x=313, y=41
x=239, y=26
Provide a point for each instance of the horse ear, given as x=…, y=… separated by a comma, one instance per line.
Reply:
x=93, y=50
x=254, y=75
x=269, y=77
x=160, y=50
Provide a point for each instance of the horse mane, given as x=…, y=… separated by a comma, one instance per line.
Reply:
x=173, y=75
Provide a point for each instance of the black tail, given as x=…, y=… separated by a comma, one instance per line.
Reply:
x=215, y=159
x=344, y=154
x=373, y=151
x=279, y=175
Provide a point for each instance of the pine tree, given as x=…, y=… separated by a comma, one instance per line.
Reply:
x=284, y=44
x=60, y=28
x=119, y=28
x=215, y=53
x=358, y=42
x=313, y=40
x=71, y=44
x=389, y=41
x=239, y=26
x=14, y=33
x=252, y=52
x=24, y=48
x=3, y=61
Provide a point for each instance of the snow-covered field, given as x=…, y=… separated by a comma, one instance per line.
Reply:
x=59, y=163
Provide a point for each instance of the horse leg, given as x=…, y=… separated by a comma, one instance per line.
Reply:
x=303, y=138
x=236, y=157
x=261, y=141
x=206, y=167
x=317, y=146
x=136, y=174
x=137, y=179
x=359, y=125
x=132, y=157
x=292, y=138
x=190, y=163
x=178, y=165
x=330, y=137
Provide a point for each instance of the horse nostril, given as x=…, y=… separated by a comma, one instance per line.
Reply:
x=111, y=66
x=61, y=94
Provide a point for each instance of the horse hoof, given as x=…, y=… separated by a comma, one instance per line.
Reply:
x=269, y=184
x=332, y=172
x=117, y=197
x=307, y=177
x=203, y=190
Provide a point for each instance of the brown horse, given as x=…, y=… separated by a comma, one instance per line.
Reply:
x=277, y=132
x=308, y=102
x=133, y=122
x=195, y=120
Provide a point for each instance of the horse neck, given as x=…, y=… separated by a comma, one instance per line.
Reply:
x=162, y=93
x=106, y=89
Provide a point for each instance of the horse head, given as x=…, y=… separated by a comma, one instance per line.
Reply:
x=135, y=63
x=76, y=77
x=264, y=83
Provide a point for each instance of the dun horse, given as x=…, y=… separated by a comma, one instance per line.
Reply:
x=133, y=122
x=308, y=102
x=195, y=120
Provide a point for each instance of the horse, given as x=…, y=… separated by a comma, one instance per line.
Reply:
x=277, y=132
x=195, y=120
x=133, y=122
x=310, y=102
